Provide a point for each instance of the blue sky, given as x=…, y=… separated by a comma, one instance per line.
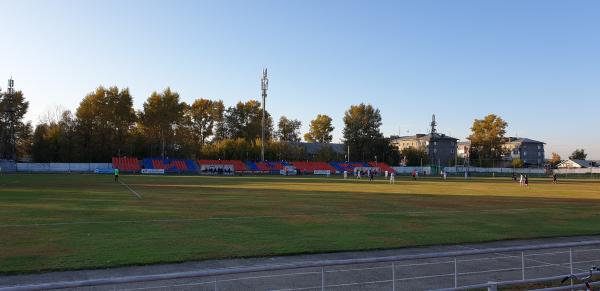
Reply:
x=535, y=63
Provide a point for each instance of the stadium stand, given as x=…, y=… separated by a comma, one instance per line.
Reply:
x=191, y=165
x=170, y=165
x=275, y=166
x=126, y=164
x=309, y=167
x=262, y=166
x=355, y=165
x=252, y=166
x=342, y=166
x=186, y=165
x=238, y=165
x=382, y=166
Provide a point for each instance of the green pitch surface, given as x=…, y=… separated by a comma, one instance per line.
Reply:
x=54, y=222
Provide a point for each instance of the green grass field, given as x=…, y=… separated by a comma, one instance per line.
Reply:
x=57, y=222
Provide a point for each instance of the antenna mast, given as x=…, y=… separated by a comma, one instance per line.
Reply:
x=264, y=86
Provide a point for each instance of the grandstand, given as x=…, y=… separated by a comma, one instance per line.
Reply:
x=191, y=166
x=126, y=164
x=238, y=165
x=170, y=165
x=382, y=166
x=310, y=167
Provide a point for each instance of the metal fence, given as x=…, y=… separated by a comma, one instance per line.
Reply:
x=450, y=270
x=583, y=171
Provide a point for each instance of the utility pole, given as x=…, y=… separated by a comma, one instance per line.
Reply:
x=264, y=86
x=348, y=156
x=9, y=98
x=433, y=141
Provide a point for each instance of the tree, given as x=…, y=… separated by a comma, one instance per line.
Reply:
x=105, y=118
x=244, y=120
x=578, y=154
x=555, y=160
x=22, y=130
x=320, y=130
x=361, y=131
x=414, y=156
x=487, y=138
x=204, y=114
x=161, y=116
x=289, y=129
x=219, y=116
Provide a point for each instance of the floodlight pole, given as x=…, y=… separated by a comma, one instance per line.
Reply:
x=264, y=86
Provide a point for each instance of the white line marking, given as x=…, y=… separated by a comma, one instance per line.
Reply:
x=166, y=286
x=132, y=191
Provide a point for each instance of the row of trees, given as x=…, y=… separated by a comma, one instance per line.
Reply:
x=105, y=124
x=487, y=143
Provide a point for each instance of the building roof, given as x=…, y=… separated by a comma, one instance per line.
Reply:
x=511, y=139
x=314, y=147
x=582, y=163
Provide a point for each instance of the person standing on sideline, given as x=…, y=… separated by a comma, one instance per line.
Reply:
x=414, y=174
x=116, y=175
x=445, y=175
x=526, y=181
x=345, y=175
x=554, y=178
x=392, y=179
x=371, y=174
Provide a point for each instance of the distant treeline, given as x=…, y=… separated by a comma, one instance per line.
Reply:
x=105, y=125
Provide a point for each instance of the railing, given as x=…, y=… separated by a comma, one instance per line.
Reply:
x=322, y=272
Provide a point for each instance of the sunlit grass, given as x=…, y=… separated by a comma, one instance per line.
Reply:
x=52, y=222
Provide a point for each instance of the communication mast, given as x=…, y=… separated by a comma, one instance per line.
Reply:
x=264, y=86
x=9, y=110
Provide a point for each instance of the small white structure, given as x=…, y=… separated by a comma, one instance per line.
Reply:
x=574, y=164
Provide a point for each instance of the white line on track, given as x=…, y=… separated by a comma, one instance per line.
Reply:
x=250, y=217
x=168, y=286
x=132, y=191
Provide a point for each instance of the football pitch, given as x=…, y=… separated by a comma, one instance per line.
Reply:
x=60, y=221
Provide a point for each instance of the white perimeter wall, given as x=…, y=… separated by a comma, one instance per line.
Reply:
x=61, y=167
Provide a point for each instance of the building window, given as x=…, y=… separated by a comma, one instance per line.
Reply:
x=539, y=147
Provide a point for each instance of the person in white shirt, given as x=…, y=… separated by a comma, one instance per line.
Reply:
x=392, y=178
x=521, y=180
